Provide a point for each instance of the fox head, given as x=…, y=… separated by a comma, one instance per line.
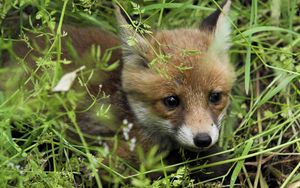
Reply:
x=178, y=81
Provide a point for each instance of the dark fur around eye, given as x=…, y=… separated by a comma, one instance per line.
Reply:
x=215, y=97
x=171, y=102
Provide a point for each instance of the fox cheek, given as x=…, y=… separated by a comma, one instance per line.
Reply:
x=147, y=118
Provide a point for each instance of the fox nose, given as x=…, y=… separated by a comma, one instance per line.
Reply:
x=202, y=140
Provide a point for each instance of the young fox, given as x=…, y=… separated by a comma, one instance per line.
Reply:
x=185, y=107
x=172, y=85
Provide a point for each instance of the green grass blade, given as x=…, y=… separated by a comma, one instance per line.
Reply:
x=240, y=163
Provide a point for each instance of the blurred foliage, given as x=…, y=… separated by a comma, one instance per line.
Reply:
x=35, y=151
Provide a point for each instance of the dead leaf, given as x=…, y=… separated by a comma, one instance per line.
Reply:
x=67, y=80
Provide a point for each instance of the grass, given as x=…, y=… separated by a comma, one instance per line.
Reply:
x=260, y=132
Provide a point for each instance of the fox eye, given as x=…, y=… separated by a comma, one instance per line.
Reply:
x=215, y=97
x=171, y=101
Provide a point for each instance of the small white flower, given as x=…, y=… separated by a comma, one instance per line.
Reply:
x=125, y=121
x=17, y=167
x=130, y=125
x=127, y=129
x=64, y=33
x=10, y=165
x=132, y=144
x=125, y=133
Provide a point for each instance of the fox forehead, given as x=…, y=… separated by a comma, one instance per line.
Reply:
x=177, y=40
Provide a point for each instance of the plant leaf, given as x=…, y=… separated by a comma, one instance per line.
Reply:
x=66, y=81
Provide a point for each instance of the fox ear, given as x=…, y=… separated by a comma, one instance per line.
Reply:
x=134, y=46
x=219, y=25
